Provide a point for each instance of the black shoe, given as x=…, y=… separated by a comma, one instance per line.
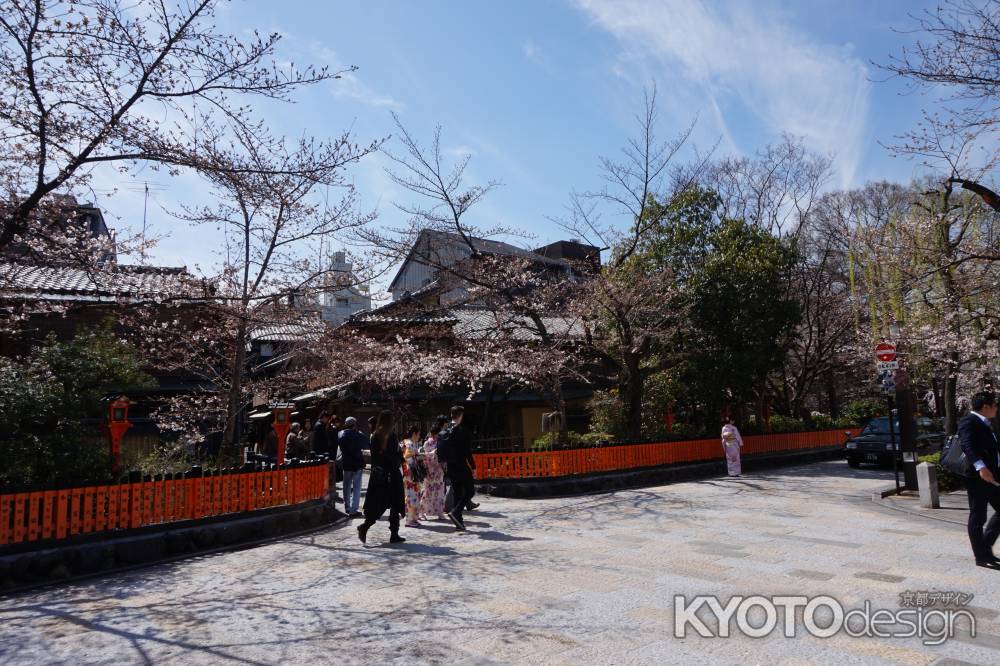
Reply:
x=362, y=532
x=395, y=538
x=356, y=514
x=458, y=522
x=472, y=506
x=989, y=564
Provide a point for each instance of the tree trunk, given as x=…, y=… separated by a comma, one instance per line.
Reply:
x=631, y=395
x=234, y=406
x=832, y=399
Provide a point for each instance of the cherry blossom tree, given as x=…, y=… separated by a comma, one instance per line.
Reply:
x=85, y=83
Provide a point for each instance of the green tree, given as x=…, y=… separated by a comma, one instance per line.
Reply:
x=44, y=399
x=742, y=315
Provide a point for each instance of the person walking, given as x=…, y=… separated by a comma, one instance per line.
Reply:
x=352, y=444
x=455, y=442
x=982, y=469
x=385, y=484
x=412, y=475
x=321, y=446
x=432, y=493
x=732, y=442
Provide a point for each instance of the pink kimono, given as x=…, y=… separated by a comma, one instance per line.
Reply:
x=731, y=443
x=432, y=494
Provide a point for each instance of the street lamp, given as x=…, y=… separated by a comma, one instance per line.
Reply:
x=905, y=409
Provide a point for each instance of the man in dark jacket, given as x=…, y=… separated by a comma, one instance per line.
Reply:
x=325, y=442
x=461, y=465
x=982, y=460
x=351, y=444
x=319, y=435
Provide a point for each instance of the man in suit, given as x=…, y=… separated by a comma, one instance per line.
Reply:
x=982, y=461
x=460, y=466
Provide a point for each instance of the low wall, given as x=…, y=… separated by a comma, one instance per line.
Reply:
x=43, y=518
x=554, y=464
x=644, y=477
x=82, y=556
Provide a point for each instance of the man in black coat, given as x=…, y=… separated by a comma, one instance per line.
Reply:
x=461, y=465
x=351, y=444
x=982, y=460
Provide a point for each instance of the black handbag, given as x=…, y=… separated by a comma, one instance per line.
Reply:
x=953, y=457
x=418, y=470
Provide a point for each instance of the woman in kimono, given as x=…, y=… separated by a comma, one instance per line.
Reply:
x=412, y=479
x=432, y=494
x=385, y=484
x=731, y=444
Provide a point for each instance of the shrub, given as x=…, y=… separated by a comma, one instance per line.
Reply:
x=780, y=423
x=549, y=442
x=606, y=413
x=947, y=481
x=859, y=412
x=822, y=421
x=686, y=430
x=596, y=438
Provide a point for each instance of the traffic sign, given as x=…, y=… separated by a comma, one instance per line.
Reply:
x=887, y=366
x=885, y=352
x=888, y=386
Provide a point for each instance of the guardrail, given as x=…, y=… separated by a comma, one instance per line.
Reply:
x=58, y=514
x=608, y=459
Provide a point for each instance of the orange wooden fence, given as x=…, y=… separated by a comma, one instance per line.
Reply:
x=631, y=456
x=57, y=514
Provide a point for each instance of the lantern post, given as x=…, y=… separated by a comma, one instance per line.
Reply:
x=118, y=425
x=282, y=423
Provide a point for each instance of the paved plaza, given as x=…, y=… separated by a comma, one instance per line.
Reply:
x=582, y=580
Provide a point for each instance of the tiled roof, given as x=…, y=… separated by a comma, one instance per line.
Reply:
x=442, y=239
x=302, y=331
x=116, y=282
x=474, y=323
x=468, y=323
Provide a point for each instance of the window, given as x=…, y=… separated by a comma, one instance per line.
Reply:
x=343, y=302
x=266, y=349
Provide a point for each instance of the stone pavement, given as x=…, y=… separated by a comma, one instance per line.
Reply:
x=954, y=506
x=563, y=581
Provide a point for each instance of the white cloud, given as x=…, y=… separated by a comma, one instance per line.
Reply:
x=349, y=85
x=742, y=59
x=531, y=50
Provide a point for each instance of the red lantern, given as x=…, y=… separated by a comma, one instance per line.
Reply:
x=118, y=424
x=282, y=423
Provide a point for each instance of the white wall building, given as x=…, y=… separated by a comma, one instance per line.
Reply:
x=336, y=305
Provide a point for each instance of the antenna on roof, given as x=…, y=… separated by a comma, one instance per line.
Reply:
x=145, y=204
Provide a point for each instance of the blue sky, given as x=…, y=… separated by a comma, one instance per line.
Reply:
x=537, y=91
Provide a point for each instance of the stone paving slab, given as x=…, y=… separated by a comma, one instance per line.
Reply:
x=562, y=581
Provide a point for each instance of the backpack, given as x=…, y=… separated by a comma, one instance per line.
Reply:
x=445, y=444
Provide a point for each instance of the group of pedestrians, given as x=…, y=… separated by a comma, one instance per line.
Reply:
x=408, y=476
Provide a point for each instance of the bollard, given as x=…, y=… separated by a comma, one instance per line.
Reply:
x=927, y=483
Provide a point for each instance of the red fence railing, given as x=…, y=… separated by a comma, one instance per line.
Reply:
x=57, y=514
x=612, y=458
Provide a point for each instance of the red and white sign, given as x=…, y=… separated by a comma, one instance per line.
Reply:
x=885, y=352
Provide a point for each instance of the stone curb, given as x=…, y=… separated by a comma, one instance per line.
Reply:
x=27, y=570
x=881, y=493
x=879, y=497
x=650, y=476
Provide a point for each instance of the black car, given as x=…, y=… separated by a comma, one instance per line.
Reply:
x=874, y=444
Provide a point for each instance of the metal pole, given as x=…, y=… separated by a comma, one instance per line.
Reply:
x=892, y=442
